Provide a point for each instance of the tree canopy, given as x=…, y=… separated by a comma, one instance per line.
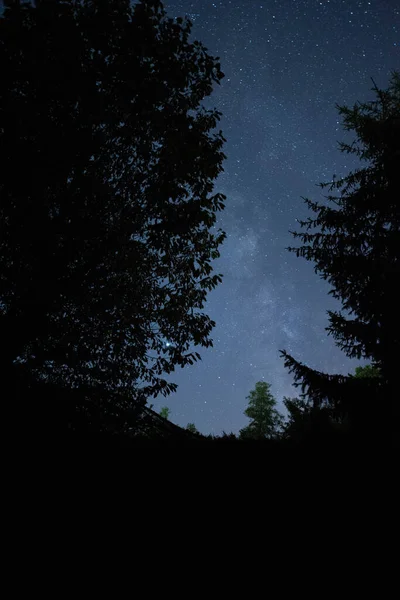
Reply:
x=107, y=216
x=165, y=412
x=370, y=371
x=192, y=428
x=265, y=419
x=354, y=241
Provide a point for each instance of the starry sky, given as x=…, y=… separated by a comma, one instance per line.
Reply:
x=286, y=64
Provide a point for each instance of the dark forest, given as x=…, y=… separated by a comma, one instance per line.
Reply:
x=108, y=212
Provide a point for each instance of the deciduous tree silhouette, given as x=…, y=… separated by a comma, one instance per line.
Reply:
x=165, y=412
x=356, y=248
x=370, y=371
x=192, y=428
x=107, y=207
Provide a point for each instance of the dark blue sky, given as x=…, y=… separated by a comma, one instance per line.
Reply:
x=286, y=64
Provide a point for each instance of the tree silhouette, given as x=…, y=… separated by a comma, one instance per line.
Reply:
x=310, y=422
x=192, y=428
x=367, y=371
x=265, y=419
x=356, y=248
x=165, y=412
x=107, y=206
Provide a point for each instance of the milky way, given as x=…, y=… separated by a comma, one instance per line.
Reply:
x=286, y=64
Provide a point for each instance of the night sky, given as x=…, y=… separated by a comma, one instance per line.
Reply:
x=286, y=64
